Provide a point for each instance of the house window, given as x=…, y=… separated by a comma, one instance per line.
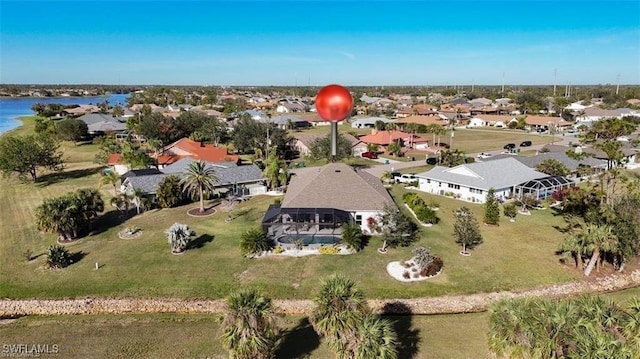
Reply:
x=454, y=186
x=359, y=219
x=428, y=180
x=475, y=190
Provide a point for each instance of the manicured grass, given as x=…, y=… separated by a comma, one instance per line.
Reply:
x=156, y=335
x=514, y=256
x=197, y=336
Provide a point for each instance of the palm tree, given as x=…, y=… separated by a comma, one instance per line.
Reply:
x=254, y=242
x=339, y=308
x=375, y=339
x=137, y=198
x=58, y=215
x=198, y=178
x=111, y=178
x=178, y=236
x=90, y=203
x=250, y=330
x=599, y=238
x=395, y=149
x=121, y=202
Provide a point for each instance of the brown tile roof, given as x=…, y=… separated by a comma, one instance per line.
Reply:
x=206, y=152
x=338, y=186
x=114, y=159
x=545, y=121
x=386, y=137
x=422, y=120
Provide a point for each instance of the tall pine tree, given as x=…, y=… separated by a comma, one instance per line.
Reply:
x=491, y=208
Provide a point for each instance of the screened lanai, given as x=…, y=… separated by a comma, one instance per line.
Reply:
x=278, y=220
x=542, y=188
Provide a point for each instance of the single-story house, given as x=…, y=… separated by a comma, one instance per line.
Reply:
x=302, y=143
x=286, y=121
x=246, y=180
x=100, y=123
x=186, y=147
x=318, y=201
x=384, y=138
x=476, y=122
x=574, y=166
x=368, y=122
x=115, y=162
x=545, y=123
x=470, y=182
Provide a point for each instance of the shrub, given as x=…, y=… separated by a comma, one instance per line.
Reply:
x=510, y=210
x=408, y=197
x=352, y=236
x=425, y=214
x=58, y=257
x=278, y=250
x=179, y=236
x=422, y=257
x=414, y=183
x=277, y=201
x=434, y=204
x=329, y=250
x=254, y=242
x=406, y=275
x=433, y=268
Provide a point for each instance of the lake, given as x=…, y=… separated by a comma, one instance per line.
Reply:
x=13, y=107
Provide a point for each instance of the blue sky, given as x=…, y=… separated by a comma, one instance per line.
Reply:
x=320, y=42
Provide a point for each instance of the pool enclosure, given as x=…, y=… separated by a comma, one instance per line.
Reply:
x=542, y=188
x=280, y=221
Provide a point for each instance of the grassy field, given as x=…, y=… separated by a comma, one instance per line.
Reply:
x=513, y=256
x=155, y=336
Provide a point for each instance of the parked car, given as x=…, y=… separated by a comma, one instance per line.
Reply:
x=371, y=155
x=432, y=161
x=525, y=143
x=509, y=146
x=407, y=178
x=484, y=155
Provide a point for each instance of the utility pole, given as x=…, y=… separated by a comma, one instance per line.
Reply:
x=503, y=84
x=267, y=151
x=618, y=84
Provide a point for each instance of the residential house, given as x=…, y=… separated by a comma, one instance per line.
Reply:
x=470, y=182
x=291, y=107
x=246, y=180
x=303, y=141
x=368, y=122
x=384, y=138
x=117, y=164
x=593, y=114
x=186, y=147
x=80, y=110
x=494, y=120
x=575, y=167
x=545, y=123
x=289, y=121
x=100, y=123
x=433, y=119
x=476, y=122
x=320, y=199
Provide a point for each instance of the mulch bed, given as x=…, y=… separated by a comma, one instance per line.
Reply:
x=195, y=212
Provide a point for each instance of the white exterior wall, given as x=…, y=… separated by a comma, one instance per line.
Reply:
x=365, y=215
x=463, y=193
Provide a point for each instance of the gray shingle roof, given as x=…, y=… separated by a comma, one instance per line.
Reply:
x=93, y=118
x=501, y=173
x=569, y=162
x=338, y=186
x=228, y=173
x=148, y=184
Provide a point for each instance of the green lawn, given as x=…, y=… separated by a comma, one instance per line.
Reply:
x=514, y=256
x=155, y=335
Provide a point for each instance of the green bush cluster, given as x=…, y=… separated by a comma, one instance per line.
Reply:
x=423, y=212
